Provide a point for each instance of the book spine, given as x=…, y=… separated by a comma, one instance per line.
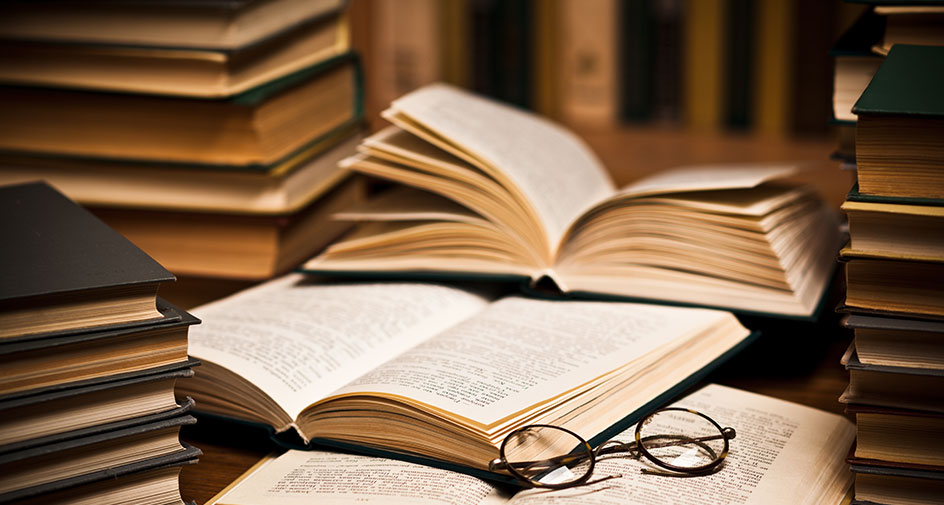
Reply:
x=773, y=66
x=636, y=60
x=588, y=72
x=667, y=65
x=405, y=47
x=704, y=60
x=546, y=86
x=739, y=48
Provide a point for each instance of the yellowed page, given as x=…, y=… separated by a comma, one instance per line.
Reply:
x=709, y=177
x=519, y=352
x=298, y=341
x=784, y=454
x=551, y=168
x=325, y=478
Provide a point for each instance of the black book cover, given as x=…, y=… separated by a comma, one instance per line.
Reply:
x=892, y=323
x=54, y=247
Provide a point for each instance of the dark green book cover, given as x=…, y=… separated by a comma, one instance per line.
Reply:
x=909, y=83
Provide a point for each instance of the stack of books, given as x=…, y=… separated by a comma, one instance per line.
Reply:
x=858, y=53
x=208, y=133
x=90, y=357
x=895, y=280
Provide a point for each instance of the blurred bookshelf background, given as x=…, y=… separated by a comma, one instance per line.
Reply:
x=753, y=67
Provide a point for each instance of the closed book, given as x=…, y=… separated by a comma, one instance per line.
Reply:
x=892, y=386
x=260, y=126
x=239, y=245
x=63, y=269
x=898, y=435
x=46, y=468
x=894, y=283
x=900, y=123
x=897, y=341
x=886, y=483
x=47, y=360
x=67, y=413
x=179, y=71
x=211, y=24
x=277, y=189
x=895, y=230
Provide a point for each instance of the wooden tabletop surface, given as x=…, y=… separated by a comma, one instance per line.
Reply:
x=793, y=361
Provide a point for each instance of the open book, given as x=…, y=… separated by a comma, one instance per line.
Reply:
x=493, y=190
x=439, y=372
x=784, y=454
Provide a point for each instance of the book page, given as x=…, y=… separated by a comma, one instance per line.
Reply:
x=709, y=177
x=519, y=352
x=325, y=478
x=783, y=454
x=298, y=341
x=553, y=169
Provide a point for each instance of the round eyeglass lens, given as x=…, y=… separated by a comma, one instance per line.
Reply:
x=681, y=439
x=548, y=456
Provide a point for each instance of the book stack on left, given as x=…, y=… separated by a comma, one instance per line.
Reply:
x=90, y=356
x=208, y=133
x=895, y=281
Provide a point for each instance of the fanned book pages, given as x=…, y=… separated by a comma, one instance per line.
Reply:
x=490, y=190
x=439, y=372
x=784, y=454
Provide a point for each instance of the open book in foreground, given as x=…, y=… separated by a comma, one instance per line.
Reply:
x=784, y=454
x=440, y=373
x=489, y=190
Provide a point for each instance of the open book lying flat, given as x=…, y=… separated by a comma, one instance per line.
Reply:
x=784, y=454
x=493, y=190
x=442, y=373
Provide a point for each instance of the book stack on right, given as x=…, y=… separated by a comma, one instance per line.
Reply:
x=895, y=281
x=208, y=133
x=89, y=357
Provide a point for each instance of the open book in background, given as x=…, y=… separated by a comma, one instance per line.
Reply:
x=442, y=374
x=490, y=190
x=783, y=454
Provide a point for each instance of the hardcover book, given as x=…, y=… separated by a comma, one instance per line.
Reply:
x=263, y=125
x=901, y=122
x=63, y=269
x=897, y=342
x=178, y=71
x=210, y=24
x=440, y=373
x=40, y=361
x=47, y=468
x=489, y=190
x=784, y=454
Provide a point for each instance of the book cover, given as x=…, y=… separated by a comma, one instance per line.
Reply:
x=55, y=247
x=908, y=83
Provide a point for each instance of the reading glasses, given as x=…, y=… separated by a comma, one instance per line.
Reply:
x=680, y=441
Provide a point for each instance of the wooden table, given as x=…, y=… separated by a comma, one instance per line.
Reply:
x=799, y=363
